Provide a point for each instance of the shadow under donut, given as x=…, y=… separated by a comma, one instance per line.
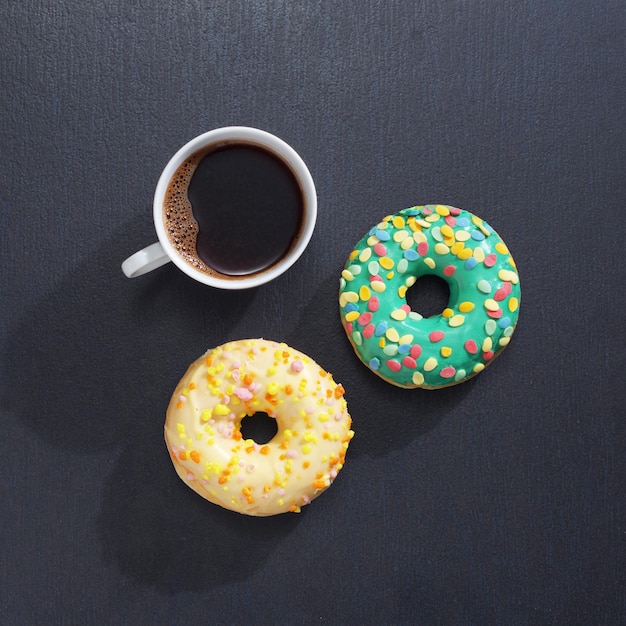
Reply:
x=159, y=532
x=90, y=367
x=98, y=346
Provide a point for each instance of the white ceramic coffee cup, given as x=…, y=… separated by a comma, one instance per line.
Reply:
x=163, y=251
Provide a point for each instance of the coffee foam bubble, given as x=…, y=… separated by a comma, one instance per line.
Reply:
x=180, y=225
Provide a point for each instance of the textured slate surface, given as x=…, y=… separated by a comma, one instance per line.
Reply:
x=499, y=501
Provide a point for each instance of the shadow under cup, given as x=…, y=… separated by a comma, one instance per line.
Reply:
x=235, y=207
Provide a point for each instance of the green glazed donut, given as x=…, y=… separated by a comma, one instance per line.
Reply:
x=400, y=345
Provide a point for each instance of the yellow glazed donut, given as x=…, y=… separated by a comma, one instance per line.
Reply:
x=239, y=379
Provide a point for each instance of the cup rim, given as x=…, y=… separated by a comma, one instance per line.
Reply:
x=264, y=140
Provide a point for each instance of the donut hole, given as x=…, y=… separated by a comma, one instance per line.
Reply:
x=428, y=296
x=260, y=427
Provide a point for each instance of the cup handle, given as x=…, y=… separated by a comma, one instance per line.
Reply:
x=145, y=261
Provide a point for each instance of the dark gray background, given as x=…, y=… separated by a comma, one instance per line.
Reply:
x=498, y=501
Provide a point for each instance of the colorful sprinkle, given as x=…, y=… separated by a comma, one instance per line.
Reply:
x=386, y=262
x=365, y=293
x=381, y=328
x=479, y=254
x=365, y=255
x=471, y=347
x=403, y=265
x=430, y=364
x=418, y=379
x=456, y=321
x=436, y=336
x=447, y=372
x=490, y=260
x=484, y=286
x=391, y=349
x=406, y=243
x=365, y=318
x=456, y=248
x=447, y=231
x=503, y=292
x=470, y=264
x=392, y=334
x=508, y=275
x=394, y=365
x=368, y=331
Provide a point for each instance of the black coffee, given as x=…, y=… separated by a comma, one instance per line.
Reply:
x=235, y=210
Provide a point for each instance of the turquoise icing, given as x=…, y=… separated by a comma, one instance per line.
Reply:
x=400, y=345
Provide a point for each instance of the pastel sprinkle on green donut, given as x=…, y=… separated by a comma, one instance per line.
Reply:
x=397, y=343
